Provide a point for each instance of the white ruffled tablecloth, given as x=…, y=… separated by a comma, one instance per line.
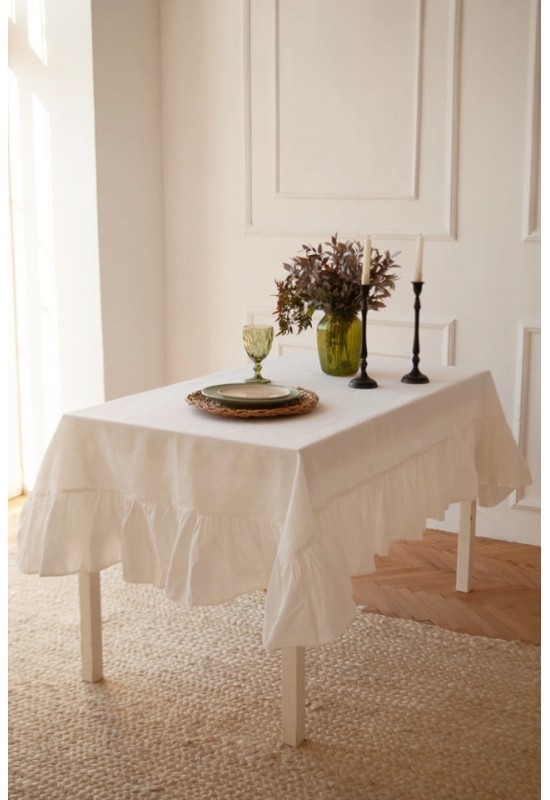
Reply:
x=208, y=508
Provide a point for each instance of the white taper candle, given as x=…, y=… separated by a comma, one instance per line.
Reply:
x=365, y=278
x=419, y=257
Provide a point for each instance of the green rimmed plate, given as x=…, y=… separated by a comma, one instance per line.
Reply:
x=251, y=395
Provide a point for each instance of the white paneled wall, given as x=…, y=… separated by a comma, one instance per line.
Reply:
x=285, y=121
x=188, y=148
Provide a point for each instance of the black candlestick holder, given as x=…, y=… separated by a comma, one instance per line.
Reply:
x=415, y=376
x=363, y=381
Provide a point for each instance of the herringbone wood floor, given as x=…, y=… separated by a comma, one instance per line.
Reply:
x=417, y=581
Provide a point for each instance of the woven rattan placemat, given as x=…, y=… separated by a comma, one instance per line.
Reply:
x=306, y=401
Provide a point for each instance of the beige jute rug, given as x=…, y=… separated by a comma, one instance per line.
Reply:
x=190, y=706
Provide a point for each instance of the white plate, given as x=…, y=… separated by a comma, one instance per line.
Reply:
x=254, y=391
x=251, y=395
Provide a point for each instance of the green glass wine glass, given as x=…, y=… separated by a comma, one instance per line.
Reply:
x=257, y=343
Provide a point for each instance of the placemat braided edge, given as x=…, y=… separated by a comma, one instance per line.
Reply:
x=306, y=401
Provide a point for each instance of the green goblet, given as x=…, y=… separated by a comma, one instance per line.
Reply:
x=257, y=343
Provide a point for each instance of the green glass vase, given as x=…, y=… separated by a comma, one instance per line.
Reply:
x=339, y=344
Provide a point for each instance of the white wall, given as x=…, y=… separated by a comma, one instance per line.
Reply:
x=126, y=67
x=288, y=120
x=203, y=149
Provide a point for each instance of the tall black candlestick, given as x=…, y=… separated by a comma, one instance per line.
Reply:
x=415, y=376
x=363, y=381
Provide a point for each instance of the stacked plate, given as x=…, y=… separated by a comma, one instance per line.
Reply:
x=251, y=395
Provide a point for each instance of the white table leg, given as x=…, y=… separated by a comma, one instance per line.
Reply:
x=294, y=695
x=90, y=626
x=466, y=536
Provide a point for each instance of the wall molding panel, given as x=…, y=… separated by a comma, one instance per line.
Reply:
x=393, y=336
x=527, y=427
x=532, y=192
x=412, y=192
x=388, y=336
x=287, y=190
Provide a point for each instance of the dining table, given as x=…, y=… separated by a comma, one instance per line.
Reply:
x=208, y=500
